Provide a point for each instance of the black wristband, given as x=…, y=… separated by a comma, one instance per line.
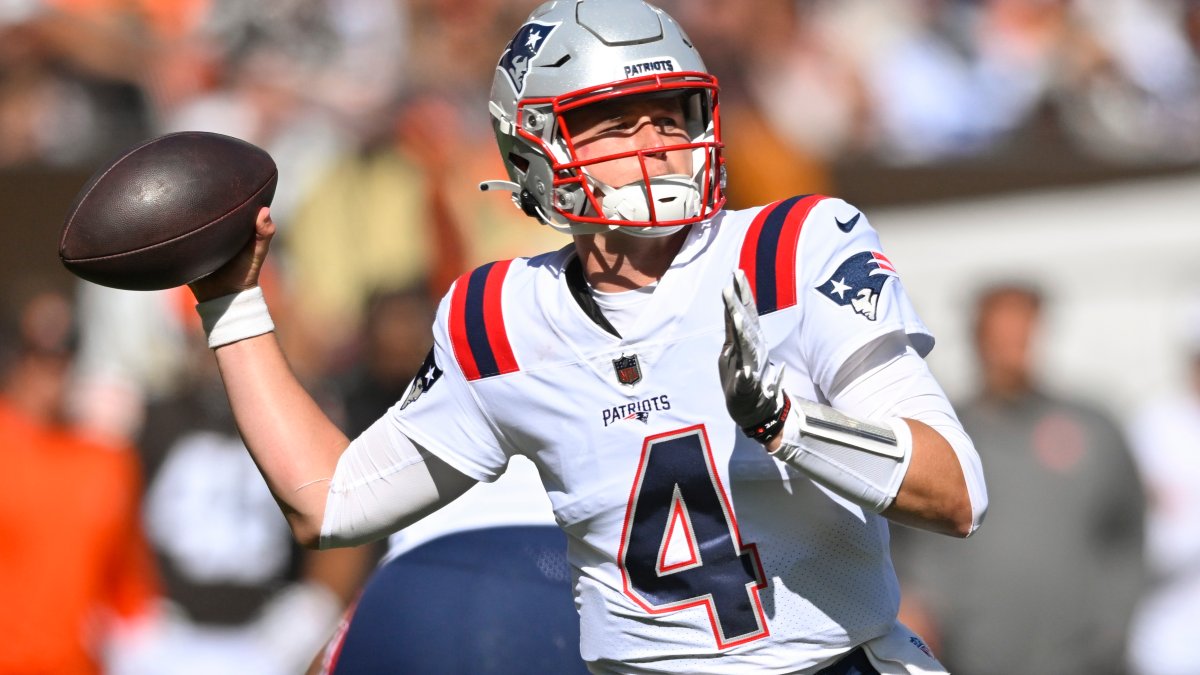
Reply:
x=766, y=431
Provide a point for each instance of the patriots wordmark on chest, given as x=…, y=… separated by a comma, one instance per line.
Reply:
x=628, y=370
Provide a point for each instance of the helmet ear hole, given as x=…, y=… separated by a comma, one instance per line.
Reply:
x=519, y=162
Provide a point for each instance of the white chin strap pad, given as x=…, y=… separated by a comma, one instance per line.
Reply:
x=676, y=197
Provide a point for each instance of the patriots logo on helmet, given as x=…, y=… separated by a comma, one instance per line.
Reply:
x=524, y=46
x=426, y=377
x=858, y=281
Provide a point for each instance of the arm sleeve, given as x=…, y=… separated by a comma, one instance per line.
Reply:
x=888, y=378
x=383, y=482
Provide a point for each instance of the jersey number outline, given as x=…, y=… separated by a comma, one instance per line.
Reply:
x=680, y=545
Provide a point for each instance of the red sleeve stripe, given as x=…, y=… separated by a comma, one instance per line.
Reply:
x=769, y=252
x=477, y=330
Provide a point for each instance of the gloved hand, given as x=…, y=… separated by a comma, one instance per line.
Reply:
x=753, y=385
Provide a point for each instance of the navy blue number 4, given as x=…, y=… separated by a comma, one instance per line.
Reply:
x=680, y=545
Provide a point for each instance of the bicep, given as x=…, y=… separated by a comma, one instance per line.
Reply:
x=384, y=482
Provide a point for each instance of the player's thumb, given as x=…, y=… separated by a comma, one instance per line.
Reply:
x=264, y=226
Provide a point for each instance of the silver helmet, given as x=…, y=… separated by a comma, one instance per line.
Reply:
x=572, y=53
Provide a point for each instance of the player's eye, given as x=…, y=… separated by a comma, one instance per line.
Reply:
x=620, y=122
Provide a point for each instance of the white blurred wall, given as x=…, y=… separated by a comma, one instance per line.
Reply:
x=1120, y=264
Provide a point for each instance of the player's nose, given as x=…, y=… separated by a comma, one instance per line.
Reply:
x=650, y=135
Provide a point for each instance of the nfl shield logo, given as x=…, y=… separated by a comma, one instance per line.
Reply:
x=628, y=370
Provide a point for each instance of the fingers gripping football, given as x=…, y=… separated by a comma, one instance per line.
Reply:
x=752, y=384
x=241, y=272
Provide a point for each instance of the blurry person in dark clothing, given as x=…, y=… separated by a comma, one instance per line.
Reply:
x=1049, y=586
x=243, y=597
x=395, y=340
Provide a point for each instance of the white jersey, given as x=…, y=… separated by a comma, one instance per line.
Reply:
x=688, y=542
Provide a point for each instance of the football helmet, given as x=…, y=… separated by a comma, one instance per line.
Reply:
x=573, y=53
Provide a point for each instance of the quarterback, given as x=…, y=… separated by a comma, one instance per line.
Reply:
x=725, y=408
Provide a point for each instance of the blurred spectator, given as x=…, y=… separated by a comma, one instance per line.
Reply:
x=242, y=596
x=132, y=350
x=446, y=35
x=305, y=80
x=1165, y=438
x=77, y=579
x=1138, y=98
x=891, y=81
x=949, y=80
x=395, y=338
x=1049, y=585
x=71, y=85
x=767, y=58
x=396, y=213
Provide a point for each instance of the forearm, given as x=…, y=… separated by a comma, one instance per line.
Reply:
x=933, y=495
x=904, y=469
x=293, y=442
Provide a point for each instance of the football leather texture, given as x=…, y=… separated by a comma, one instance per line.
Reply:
x=167, y=212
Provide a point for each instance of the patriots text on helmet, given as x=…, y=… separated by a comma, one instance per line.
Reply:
x=650, y=67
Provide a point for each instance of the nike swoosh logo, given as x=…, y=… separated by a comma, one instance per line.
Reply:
x=849, y=224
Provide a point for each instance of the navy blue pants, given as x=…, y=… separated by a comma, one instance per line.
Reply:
x=493, y=601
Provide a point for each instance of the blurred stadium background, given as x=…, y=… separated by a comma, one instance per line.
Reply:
x=1051, y=141
x=1054, y=140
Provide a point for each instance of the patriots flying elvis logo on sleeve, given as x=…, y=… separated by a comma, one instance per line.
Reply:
x=858, y=281
x=521, y=51
x=426, y=377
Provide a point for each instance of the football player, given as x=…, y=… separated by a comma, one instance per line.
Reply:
x=725, y=408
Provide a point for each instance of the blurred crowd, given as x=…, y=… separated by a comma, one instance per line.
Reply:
x=897, y=81
x=376, y=113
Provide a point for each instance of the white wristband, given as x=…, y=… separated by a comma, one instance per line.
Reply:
x=234, y=317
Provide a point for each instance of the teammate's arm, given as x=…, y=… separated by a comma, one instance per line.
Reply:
x=294, y=444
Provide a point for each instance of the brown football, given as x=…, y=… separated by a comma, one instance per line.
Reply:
x=168, y=211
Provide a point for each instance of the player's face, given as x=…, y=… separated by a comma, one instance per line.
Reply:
x=629, y=125
x=1004, y=338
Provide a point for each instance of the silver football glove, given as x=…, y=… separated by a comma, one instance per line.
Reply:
x=862, y=461
x=753, y=385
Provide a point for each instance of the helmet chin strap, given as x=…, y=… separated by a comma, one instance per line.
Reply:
x=675, y=197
